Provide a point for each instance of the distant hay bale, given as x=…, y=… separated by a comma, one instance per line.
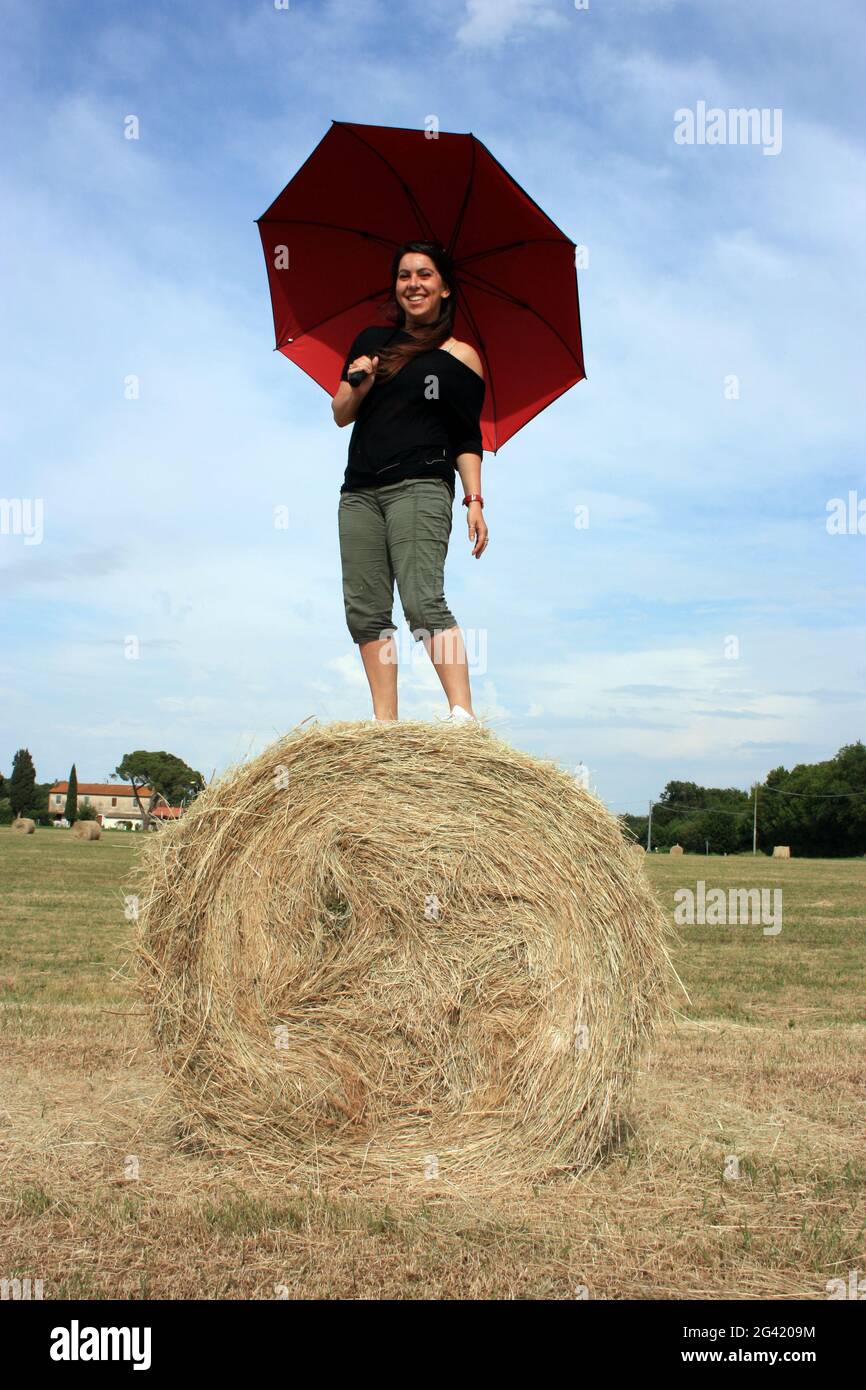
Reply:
x=637, y=851
x=86, y=830
x=405, y=952
x=677, y=849
x=782, y=852
x=24, y=825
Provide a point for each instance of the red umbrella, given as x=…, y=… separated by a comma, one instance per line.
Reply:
x=329, y=237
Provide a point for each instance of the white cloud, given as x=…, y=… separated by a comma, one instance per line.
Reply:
x=489, y=23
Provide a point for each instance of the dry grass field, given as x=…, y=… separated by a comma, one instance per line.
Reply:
x=765, y=1062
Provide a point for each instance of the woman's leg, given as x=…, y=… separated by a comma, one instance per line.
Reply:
x=418, y=522
x=368, y=594
x=448, y=654
x=380, y=664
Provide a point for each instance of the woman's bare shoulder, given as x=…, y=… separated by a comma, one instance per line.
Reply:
x=467, y=354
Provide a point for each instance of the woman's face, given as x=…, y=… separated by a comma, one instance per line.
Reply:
x=420, y=288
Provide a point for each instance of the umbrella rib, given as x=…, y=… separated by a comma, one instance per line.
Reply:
x=458, y=221
x=540, y=408
x=512, y=180
x=410, y=197
x=481, y=284
x=344, y=309
x=331, y=227
x=511, y=246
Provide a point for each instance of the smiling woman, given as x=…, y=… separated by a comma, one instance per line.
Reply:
x=414, y=394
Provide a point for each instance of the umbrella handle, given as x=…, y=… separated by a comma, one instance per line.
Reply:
x=355, y=378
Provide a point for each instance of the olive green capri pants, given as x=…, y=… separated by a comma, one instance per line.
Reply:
x=400, y=531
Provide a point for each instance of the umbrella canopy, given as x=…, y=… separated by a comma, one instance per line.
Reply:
x=328, y=239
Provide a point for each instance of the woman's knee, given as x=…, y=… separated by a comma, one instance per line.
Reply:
x=367, y=626
x=427, y=616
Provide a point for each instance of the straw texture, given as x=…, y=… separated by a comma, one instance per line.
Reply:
x=405, y=952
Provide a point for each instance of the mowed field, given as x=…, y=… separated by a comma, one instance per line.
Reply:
x=764, y=1062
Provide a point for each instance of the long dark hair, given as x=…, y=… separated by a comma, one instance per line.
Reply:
x=428, y=335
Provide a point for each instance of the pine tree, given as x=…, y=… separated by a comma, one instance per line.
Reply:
x=71, y=811
x=22, y=783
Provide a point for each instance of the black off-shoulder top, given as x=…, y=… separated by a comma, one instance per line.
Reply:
x=417, y=423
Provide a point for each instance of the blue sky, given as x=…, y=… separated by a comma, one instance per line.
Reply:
x=608, y=645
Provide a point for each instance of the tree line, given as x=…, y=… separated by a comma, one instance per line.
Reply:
x=818, y=809
x=165, y=774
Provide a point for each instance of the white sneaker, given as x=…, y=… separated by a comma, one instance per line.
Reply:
x=459, y=715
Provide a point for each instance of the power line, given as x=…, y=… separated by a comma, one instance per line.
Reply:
x=681, y=806
x=738, y=811
x=816, y=796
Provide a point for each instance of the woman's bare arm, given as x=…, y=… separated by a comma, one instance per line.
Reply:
x=347, y=401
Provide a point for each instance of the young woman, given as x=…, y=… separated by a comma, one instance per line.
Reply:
x=416, y=410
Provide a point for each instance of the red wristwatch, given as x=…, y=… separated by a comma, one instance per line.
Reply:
x=473, y=497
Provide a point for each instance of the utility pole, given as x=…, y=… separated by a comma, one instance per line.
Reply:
x=649, y=830
x=755, y=824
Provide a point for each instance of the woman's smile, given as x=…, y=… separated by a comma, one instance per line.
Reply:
x=420, y=289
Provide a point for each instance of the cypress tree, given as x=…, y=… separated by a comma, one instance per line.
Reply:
x=71, y=811
x=22, y=783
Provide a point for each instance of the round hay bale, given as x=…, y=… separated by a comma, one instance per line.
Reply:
x=86, y=830
x=637, y=857
x=24, y=825
x=677, y=849
x=782, y=852
x=407, y=952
